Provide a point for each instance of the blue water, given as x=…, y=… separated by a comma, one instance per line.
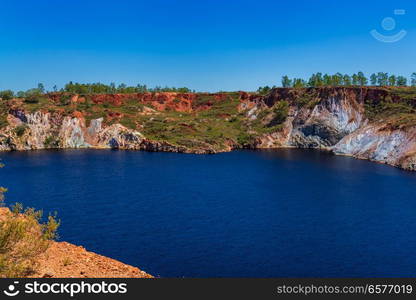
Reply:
x=284, y=213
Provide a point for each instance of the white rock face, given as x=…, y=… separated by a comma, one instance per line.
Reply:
x=44, y=130
x=71, y=133
x=339, y=125
x=327, y=123
x=372, y=142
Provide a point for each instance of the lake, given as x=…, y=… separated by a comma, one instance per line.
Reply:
x=277, y=213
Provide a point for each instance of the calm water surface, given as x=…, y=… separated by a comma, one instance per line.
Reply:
x=290, y=213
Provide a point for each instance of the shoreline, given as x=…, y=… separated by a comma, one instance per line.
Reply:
x=329, y=151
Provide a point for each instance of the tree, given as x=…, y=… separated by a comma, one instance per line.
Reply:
x=316, y=80
x=299, y=83
x=413, y=79
x=141, y=88
x=263, y=90
x=6, y=95
x=286, y=82
x=382, y=78
x=327, y=80
x=401, y=81
x=337, y=79
x=373, y=79
x=362, y=80
x=112, y=88
x=355, y=79
x=41, y=88
x=347, y=80
x=392, y=80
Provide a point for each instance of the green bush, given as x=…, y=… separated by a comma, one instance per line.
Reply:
x=51, y=142
x=20, y=130
x=23, y=237
x=65, y=99
x=33, y=98
x=245, y=139
x=6, y=95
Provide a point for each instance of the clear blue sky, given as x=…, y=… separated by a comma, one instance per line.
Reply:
x=204, y=45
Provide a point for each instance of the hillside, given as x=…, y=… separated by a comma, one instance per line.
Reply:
x=376, y=123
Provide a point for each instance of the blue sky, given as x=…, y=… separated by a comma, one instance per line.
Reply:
x=204, y=45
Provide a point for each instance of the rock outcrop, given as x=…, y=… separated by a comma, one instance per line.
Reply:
x=65, y=260
x=336, y=120
x=40, y=130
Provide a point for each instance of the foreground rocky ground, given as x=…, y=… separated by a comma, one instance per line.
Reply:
x=375, y=123
x=65, y=260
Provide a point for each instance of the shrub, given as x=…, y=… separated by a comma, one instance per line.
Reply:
x=65, y=99
x=33, y=99
x=20, y=130
x=245, y=139
x=23, y=237
x=6, y=95
x=281, y=111
x=51, y=142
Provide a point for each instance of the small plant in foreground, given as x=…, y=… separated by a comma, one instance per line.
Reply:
x=23, y=237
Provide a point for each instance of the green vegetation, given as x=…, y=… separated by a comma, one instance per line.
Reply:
x=51, y=142
x=65, y=99
x=34, y=95
x=100, y=88
x=207, y=128
x=20, y=130
x=3, y=113
x=6, y=95
x=264, y=90
x=23, y=237
x=280, y=110
x=338, y=79
x=245, y=139
x=398, y=109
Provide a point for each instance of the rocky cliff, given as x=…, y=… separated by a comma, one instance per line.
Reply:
x=43, y=130
x=367, y=123
x=378, y=124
